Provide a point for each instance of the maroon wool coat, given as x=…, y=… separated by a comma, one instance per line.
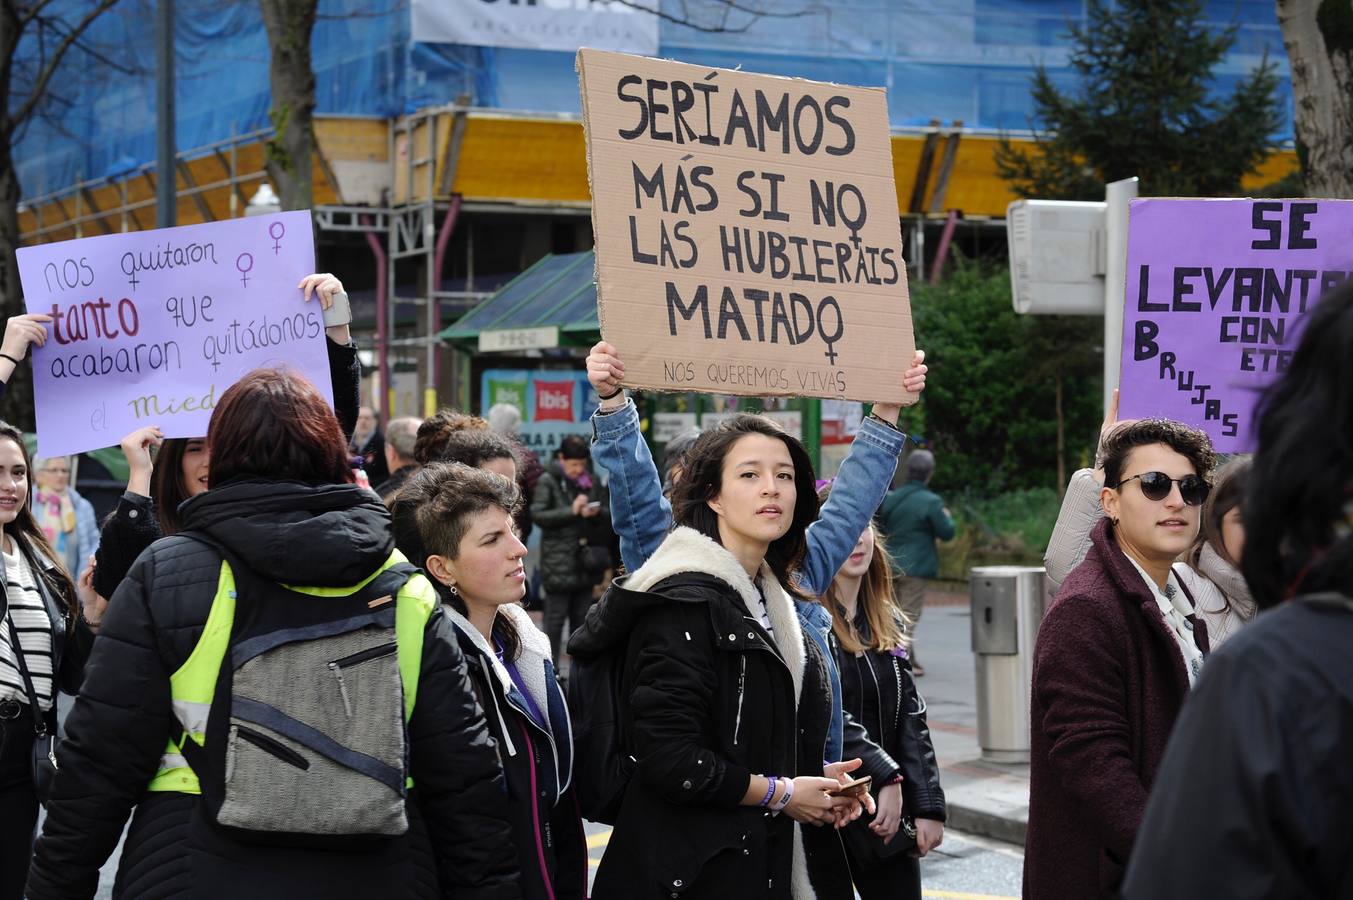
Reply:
x=1108, y=682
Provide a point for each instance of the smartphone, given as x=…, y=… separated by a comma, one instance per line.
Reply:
x=340, y=313
x=595, y=504
x=853, y=788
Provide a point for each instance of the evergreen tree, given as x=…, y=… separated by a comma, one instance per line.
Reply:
x=1146, y=107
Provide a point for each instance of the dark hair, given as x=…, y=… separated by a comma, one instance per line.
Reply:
x=27, y=536
x=573, y=446
x=432, y=515
x=1188, y=442
x=474, y=448
x=430, y=445
x=1228, y=491
x=875, y=601
x=273, y=424
x=702, y=479
x=1297, y=538
x=167, y=488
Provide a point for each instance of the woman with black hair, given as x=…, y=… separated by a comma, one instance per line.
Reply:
x=1257, y=787
x=456, y=522
x=728, y=705
x=1115, y=657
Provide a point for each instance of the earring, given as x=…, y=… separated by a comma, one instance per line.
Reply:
x=1113, y=519
x=454, y=591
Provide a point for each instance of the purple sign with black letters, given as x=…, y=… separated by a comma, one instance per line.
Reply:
x=1216, y=293
x=150, y=328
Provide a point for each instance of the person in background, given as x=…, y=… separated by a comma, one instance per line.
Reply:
x=573, y=511
x=1211, y=567
x=282, y=501
x=67, y=520
x=1115, y=657
x=368, y=443
x=165, y=473
x=1256, y=787
x=455, y=522
x=437, y=430
x=913, y=518
x=674, y=458
x=505, y=419
x=400, y=437
x=869, y=639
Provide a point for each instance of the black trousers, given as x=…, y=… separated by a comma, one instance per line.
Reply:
x=564, y=605
x=897, y=879
x=18, y=804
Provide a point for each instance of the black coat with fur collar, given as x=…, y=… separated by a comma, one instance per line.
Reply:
x=713, y=699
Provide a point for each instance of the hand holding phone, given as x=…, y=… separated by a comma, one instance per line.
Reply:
x=856, y=787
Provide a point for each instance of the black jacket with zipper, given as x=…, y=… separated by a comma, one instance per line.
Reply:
x=537, y=761
x=459, y=843
x=713, y=699
x=879, y=691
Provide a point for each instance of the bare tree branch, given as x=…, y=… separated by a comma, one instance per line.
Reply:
x=57, y=25
x=54, y=61
x=32, y=13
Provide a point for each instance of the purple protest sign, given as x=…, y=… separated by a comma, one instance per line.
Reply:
x=150, y=328
x=1216, y=291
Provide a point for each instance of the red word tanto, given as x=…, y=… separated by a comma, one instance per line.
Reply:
x=90, y=319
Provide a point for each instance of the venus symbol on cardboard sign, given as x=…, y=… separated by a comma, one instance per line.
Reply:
x=275, y=231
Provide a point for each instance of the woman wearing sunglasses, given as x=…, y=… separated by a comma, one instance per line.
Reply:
x=1210, y=570
x=1116, y=655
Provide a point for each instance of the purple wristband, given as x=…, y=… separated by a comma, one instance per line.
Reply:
x=765, y=801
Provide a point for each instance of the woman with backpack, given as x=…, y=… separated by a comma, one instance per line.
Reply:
x=457, y=523
x=729, y=704
x=879, y=691
x=335, y=787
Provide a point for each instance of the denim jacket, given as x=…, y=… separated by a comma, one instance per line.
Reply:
x=641, y=516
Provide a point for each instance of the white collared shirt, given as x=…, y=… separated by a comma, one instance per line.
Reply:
x=1174, y=606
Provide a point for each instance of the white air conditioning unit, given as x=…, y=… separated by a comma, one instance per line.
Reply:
x=1057, y=256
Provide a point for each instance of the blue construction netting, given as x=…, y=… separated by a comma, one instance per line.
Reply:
x=967, y=60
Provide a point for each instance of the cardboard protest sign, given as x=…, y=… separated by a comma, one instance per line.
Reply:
x=1216, y=292
x=747, y=234
x=150, y=328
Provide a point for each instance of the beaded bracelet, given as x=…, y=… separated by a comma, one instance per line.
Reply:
x=770, y=792
x=784, y=801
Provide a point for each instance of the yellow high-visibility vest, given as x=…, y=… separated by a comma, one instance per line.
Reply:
x=193, y=686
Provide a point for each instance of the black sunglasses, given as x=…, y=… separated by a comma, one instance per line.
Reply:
x=1156, y=486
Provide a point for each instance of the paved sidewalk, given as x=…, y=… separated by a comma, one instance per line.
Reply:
x=984, y=798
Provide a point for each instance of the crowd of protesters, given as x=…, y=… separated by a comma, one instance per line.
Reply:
x=294, y=685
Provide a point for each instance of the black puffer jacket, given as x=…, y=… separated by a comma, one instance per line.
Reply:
x=332, y=535
x=879, y=691
x=713, y=699
x=561, y=531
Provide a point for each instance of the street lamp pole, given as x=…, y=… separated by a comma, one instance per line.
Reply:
x=166, y=194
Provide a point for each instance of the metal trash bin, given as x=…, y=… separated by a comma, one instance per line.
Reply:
x=1007, y=607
